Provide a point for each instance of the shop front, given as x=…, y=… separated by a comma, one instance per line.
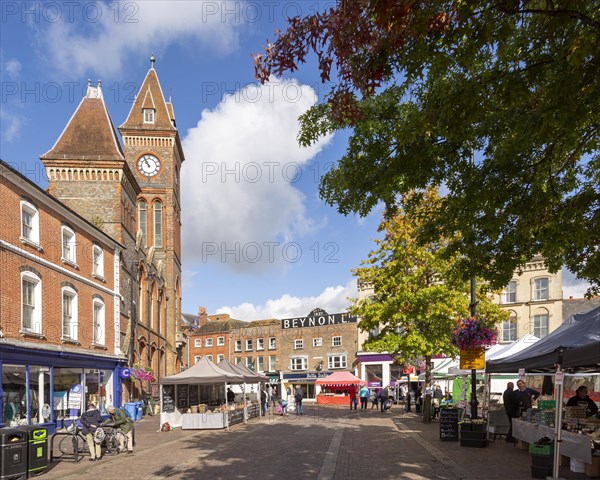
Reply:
x=306, y=381
x=51, y=387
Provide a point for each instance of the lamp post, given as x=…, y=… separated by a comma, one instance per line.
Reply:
x=473, y=401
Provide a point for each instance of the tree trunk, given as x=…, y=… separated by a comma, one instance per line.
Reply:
x=426, y=395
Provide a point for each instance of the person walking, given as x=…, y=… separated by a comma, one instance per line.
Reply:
x=91, y=420
x=383, y=397
x=119, y=419
x=375, y=399
x=437, y=400
x=363, y=394
x=299, y=396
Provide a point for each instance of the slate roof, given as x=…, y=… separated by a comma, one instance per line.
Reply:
x=89, y=134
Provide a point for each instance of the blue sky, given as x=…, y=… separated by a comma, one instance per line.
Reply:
x=257, y=240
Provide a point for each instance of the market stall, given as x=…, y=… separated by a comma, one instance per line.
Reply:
x=335, y=386
x=250, y=402
x=196, y=398
x=574, y=347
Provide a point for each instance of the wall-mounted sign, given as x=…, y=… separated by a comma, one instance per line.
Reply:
x=317, y=318
x=472, y=359
x=124, y=373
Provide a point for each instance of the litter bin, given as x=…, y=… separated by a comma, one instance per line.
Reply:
x=130, y=408
x=139, y=410
x=13, y=454
x=37, y=449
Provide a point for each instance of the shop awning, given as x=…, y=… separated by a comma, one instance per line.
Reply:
x=205, y=372
x=574, y=345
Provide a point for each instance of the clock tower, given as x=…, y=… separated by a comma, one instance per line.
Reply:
x=154, y=154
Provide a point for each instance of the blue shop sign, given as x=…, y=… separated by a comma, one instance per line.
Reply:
x=305, y=376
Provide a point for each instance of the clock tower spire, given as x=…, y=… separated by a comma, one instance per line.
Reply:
x=153, y=151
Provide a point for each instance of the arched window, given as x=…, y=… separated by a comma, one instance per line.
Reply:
x=143, y=220
x=157, y=224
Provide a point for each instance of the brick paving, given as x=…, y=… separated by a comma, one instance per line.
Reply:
x=326, y=443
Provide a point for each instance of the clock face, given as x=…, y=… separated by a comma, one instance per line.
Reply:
x=148, y=165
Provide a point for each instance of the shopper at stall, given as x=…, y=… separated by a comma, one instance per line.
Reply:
x=363, y=394
x=299, y=397
x=119, y=419
x=283, y=404
x=264, y=400
x=352, y=395
x=383, y=397
x=581, y=399
x=511, y=407
x=230, y=395
x=91, y=420
x=375, y=399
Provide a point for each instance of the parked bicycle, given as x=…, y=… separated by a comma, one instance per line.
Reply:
x=75, y=444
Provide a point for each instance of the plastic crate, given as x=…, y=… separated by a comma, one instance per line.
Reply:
x=536, y=449
x=546, y=404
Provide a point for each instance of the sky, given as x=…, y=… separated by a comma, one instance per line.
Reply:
x=257, y=241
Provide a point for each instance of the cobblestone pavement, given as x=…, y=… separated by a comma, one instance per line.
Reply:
x=326, y=443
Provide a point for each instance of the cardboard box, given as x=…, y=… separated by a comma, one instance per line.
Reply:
x=593, y=470
x=521, y=445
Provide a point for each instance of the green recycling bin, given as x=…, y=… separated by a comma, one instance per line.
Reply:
x=13, y=454
x=37, y=449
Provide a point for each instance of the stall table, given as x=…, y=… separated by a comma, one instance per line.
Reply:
x=333, y=400
x=208, y=420
x=573, y=445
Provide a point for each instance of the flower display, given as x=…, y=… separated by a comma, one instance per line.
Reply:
x=472, y=333
x=143, y=374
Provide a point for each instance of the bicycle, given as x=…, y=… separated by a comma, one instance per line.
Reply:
x=74, y=444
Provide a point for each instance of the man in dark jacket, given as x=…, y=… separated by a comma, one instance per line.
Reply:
x=511, y=407
x=525, y=395
x=120, y=420
x=91, y=420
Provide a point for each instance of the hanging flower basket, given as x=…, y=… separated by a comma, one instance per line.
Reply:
x=473, y=333
x=143, y=374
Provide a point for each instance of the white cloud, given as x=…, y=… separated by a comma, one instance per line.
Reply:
x=572, y=286
x=332, y=300
x=13, y=68
x=10, y=125
x=103, y=37
x=238, y=180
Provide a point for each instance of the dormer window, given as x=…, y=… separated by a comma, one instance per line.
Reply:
x=148, y=115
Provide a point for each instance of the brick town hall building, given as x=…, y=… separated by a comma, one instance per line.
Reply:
x=91, y=269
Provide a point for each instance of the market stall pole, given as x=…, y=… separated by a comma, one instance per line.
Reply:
x=558, y=392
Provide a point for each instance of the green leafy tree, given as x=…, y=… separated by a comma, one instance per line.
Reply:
x=497, y=102
x=418, y=298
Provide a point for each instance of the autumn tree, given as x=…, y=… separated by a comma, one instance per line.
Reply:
x=418, y=297
x=497, y=102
